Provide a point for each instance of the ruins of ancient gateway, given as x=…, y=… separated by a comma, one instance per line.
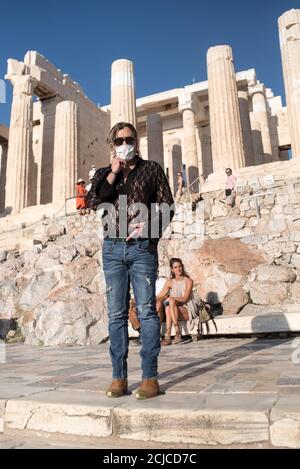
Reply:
x=56, y=133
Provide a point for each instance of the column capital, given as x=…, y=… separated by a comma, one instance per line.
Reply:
x=259, y=88
x=186, y=101
x=243, y=94
x=172, y=142
x=23, y=84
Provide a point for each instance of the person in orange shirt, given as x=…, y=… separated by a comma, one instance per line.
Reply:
x=81, y=202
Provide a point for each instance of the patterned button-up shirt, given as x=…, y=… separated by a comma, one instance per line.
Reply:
x=145, y=184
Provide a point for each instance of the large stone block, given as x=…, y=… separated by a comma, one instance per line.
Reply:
x=45, y=263
x=294, y=227
x=9, y=300
x=285, y=422
x=79, y=413
x=2, y=411
x=230, y=224
x=295, y=292
x=275, y=224
x=68, y=320
x=202, y=419
x=256, y=310
x=235, y=301
x=10, y=269
x=274, y=273
x=295, y=260
x=267, y=293
x=37, y=290
x=263, y=322
x=81, y=271
x=255, y=239
x=218, y=210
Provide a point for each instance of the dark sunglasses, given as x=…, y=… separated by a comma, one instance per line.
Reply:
x=119, y=141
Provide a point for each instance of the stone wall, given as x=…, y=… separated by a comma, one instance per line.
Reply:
x=250, y=253
x=247, y=258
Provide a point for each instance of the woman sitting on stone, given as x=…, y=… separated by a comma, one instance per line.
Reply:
x=177, y=296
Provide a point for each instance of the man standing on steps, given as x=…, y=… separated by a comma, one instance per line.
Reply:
x=129, y=191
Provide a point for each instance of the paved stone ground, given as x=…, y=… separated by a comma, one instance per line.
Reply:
x=226, y=366
x=230, y=375
x=59, y=442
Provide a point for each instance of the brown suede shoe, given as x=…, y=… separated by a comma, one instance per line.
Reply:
x=118, y=388
x=148, y=388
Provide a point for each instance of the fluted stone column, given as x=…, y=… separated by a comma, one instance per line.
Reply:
x=3, y=162
x=257, y=142
x=190, y=147
x=66, y=150
x=289, y=34
x=19, y=157
x=205, y=160
x=259, y=106
x=123, y=103
x=174, y=162
x=155, y=139
x=225, y=124
x=246, y=127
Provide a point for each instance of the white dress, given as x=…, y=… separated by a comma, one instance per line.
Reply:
x=177, y=291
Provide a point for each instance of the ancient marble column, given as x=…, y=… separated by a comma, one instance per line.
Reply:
x=205, y=159
x=225, y=124
x=257, y=141
x=289, y=35
x=246, y=127
x=174, y=162
x=155, y=139
x=189, y=141
x=19, y=157
x=3, y=162
x=123, y=104
x=66, y=151
x=260, y=112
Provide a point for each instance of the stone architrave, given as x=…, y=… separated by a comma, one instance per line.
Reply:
x=189, y=142
x=20, y=157
x=246, y=127
x=174, y=162
x=225, y=123
x=123, y=102
x=289, y=35
x=66, y=150
x=260, y=112
x=155, y=139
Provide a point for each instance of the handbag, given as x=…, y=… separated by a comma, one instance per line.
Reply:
x=132, y=316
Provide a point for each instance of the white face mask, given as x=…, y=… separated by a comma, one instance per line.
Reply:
x=125, y=152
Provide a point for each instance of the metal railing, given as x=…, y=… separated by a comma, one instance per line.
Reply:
x=256, y=196
x=70, y=198
x=66, y=201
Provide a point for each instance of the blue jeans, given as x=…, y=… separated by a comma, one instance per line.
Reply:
x=123, y=263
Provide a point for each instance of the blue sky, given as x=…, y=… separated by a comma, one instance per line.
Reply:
x=166, y=39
